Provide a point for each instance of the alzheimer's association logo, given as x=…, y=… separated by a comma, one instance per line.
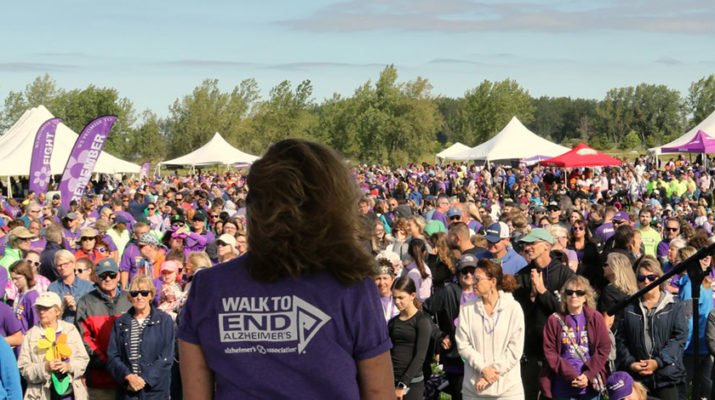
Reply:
x=282, y=324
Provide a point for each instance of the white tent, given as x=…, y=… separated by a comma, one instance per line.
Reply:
x=707, y=125
x=515, y=141
x=216, y=152
x=451, y=150
x=17, y=143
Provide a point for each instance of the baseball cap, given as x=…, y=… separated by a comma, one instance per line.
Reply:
x=170, y=265
x=120, y=219
x=107, y=265
x=199, y=216
x=71, y=216
x=48, y=299
x=467, y=261
x=621, y=216
x=403, y=211
x=537, y=234
x=228, y=239
x=554, y=205
x=619, y=385
x=454, y=212
x=497, y=231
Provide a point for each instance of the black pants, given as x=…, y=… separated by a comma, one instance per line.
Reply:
x=455, y=385
x=416, y=392
x=666, y=393
x=530, y=368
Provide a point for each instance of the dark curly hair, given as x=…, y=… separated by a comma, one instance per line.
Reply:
x=302, y=215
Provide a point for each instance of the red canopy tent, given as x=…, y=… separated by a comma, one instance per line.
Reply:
x=581, y=156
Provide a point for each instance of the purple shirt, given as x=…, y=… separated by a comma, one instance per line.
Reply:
x=9, y=324
x=24, y=310
x=438, y=216
x=577, y=324
x=605, y=231
x=250, y=330
x=132, y=260
x=662, y=249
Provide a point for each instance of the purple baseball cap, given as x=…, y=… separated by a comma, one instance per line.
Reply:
x=619, y=385
x=621, y=216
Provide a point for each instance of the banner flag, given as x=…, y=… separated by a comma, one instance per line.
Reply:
x=40, y=170
x=83, y=158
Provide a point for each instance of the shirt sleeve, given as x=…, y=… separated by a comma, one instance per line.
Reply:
x=367, y=324
x=188, y=330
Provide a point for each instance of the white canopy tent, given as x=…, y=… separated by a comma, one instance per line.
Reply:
x=216, y=152
x=17, y=143
x=707, y=125
x=451, y=150
x=515, y=141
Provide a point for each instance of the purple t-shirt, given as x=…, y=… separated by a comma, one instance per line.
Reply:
x=131, y=260
x=250, y=331
x=605, y=231
x=438, y=216
x=577, y=324
x=25, y=310
x=9, y=324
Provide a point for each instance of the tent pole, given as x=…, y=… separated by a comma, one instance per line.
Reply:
x=9, y=188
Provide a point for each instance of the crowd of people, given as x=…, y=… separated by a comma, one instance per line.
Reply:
x=480, y=281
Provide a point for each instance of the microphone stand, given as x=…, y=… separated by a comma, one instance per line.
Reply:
x=696, y=274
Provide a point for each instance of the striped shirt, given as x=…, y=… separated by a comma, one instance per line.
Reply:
x=135, y=341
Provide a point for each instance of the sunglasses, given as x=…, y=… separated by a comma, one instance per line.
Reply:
x=669, y=229
x=577, y=228
x=86, y=238
x=455, y=218
x=468, y=271
x=221, y=244
x=110, y=275
x=151, y=208
x=101, y=249
x=135, y=293
x=35, y=263
x=178, y=224
x=80, y=270
x=649, y=277
x=571, y=292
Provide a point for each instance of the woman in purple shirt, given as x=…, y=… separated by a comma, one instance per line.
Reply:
x=299, y=301
x=23, y=277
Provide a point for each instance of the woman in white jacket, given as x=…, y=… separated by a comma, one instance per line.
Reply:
x=490, y=336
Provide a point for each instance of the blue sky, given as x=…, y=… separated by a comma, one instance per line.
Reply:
x=155, y=51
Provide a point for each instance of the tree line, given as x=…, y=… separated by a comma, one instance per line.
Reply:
x=385, y=121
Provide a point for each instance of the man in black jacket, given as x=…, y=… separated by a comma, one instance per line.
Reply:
x=539, y=285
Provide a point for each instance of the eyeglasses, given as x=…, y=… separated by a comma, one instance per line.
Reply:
x=221, y=244
x=571, y=292
x=34, y=211
x=178, y=224
x=85, y=238
x=109, y=275
x=214, y=215
x=135, y=293
x=35, y=263
x=649, y=277
x=179, y=198
x=578, y=228
x=78, y=271
x=101, y=249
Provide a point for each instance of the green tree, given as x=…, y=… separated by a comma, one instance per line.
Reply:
x=490, y=106
x=42, y=91
x=286, y=113
x=78, y=107
x=701, y=98
x=631, y=141
x=147, y=143
x=194, y=119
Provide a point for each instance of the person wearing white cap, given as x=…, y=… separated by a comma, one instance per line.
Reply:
x=500, y=250
x=33, y=364
x=226, y=248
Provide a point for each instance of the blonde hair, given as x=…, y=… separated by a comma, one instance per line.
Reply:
x=143, y=282
x=622, y=269
x=63, y=255
x=578, y=282
x=198, y=260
